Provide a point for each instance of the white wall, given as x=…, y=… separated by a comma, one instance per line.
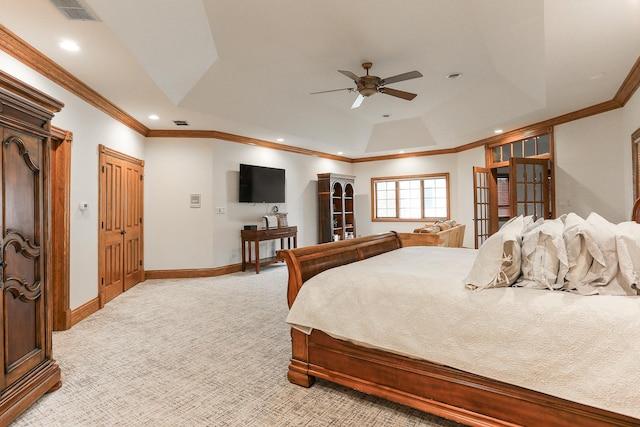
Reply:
x=90, y=127
x=466, y=161
x=590, y=175
x=180, y=237
x=594, y=164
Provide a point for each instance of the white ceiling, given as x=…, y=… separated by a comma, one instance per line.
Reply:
x=247, y=67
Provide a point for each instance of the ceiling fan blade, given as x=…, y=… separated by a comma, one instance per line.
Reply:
x=350, y=89
x=350, y=75
x=397, y=93
x=401, y=77
x=357, y=102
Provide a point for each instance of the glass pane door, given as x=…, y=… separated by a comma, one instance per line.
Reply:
x=481, y=204
x=529, y=187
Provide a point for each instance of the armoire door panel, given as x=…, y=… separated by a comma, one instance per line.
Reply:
x=22, y=186
x=24, y=336
x=22, y=261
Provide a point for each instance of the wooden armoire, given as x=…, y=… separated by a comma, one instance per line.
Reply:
x=27, y=368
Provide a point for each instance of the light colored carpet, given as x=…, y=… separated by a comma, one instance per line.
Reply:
x=198, y=352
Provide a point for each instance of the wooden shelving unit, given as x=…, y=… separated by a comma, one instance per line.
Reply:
x=336, y=207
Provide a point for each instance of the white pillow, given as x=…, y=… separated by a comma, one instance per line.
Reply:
x=628, y=251
x=582, y=248
x=544, y=255
x=603, y=278
x=498, y=261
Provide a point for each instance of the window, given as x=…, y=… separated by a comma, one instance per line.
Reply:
x=536, y=146
x=504, y=202
x=410, y=198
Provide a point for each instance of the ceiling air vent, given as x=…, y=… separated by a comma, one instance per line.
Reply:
x=76, y=10
x=181, y=123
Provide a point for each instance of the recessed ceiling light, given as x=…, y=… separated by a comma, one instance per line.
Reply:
x=154, y=117
x=69, y=45
x=401, y=152
x=340, y=153
x=454, y=75
x=280, y=139
x=497, y=131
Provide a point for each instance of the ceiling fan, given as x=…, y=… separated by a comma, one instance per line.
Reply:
x=368, y=85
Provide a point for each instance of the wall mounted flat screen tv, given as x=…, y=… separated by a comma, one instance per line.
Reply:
x=260, y=184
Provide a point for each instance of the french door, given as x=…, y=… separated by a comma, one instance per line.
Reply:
x=120, y=234
x=530, y=193
x=529, y=187
x=482, y=207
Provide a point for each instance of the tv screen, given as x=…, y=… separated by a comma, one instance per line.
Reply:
x=260, y=184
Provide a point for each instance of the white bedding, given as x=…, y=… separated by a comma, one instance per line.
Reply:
x=412, y=301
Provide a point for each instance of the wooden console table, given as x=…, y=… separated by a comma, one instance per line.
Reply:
x=256, y=236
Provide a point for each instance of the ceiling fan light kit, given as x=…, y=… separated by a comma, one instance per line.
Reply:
x=368, y=85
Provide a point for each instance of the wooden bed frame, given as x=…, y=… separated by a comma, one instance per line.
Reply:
x=450, y=393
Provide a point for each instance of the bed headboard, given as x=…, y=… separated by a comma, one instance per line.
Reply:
x=635, y=213
x=305, y=262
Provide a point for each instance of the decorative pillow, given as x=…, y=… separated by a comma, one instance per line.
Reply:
x=604, y=278
x=628, y=251
x=544, y=255
x=530, y=224
x=528, y=221
x=498, y=261
x=582, y=248
x=444, y=225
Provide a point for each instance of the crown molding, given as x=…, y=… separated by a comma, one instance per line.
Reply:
x=214, y=134
x=23, y=52
x=33, y=58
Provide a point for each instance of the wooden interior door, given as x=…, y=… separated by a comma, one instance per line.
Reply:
x=529, y=187
x=481, y=204
x=24, y=244
x=120, y=237
x=112, y=228
x=133, y=261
